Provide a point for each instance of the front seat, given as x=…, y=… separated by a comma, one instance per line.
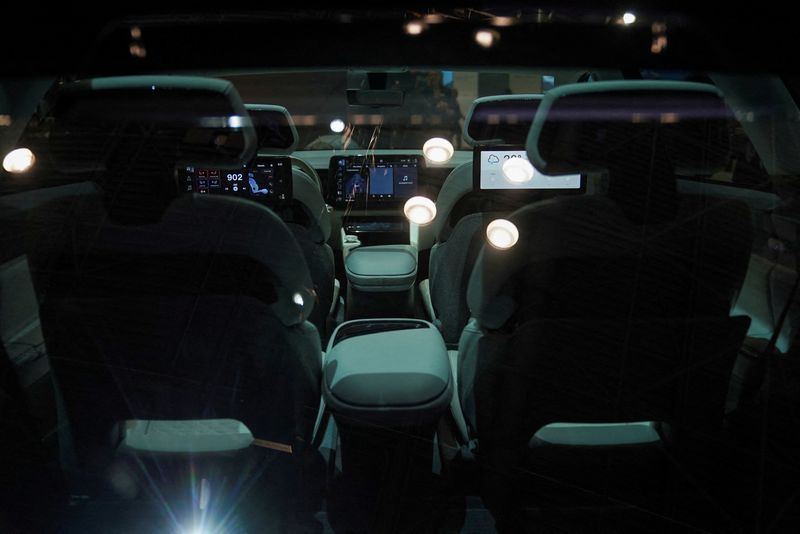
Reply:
x=167, y=317
x=309, y=218
x=611, y=311
x=454, y=235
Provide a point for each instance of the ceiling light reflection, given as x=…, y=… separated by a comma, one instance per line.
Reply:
x=438, y=150
x=337, y=125
x=19, y=160
x=420, y=210
x=414, y=27
x=502, y=234
x=517, y=170
x=486, y=38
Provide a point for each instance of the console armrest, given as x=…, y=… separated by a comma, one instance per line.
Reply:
x=382, y=268
x=398, y=376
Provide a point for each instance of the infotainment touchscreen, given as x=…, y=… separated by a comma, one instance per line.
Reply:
x=488, y=172
x=267, y=180
x=386, y=179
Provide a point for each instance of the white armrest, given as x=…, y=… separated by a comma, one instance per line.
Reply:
x=186, y=436
x=597, y=434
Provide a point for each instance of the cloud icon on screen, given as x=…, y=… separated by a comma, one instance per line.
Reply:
x=493, y=158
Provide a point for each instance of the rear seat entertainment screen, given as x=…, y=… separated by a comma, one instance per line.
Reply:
x=375, y=178
x=488, y=172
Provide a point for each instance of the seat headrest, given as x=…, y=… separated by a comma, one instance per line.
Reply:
x=639, y=132
x=129, y=133
x=307, y=194
x=274, y=127
x=502, y=119
x=575, y=127
x=193, y=119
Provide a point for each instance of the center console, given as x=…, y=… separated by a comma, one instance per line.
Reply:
x=388, y=372
x=380, y=281
x=376, y=229
x=387, y=383
x=371, y=190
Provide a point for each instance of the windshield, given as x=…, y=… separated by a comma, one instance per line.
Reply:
x=396, y=270
x=332, y=111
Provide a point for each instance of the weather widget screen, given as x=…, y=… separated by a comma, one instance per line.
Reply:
x=489, y=162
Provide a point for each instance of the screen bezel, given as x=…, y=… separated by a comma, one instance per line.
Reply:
x=386, y=202
x=476, y=174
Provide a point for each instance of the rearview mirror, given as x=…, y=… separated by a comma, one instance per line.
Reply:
x=375, y=97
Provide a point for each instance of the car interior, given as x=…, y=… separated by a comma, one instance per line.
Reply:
x=432, y=293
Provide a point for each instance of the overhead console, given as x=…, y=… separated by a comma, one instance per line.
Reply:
x=267, y=180
x=373, y=179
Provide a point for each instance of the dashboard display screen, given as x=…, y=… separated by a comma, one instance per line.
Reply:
x=267, y=180
x=373, y=178
x=488, y=172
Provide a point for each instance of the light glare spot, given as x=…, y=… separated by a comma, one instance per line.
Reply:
x=502, y=234
x=19, y=160
x=517, y=170
x=438, y=150
x=337, y=125
x=659, y=44
x=297, y=298
x=420, y=210
x=414, y=27
x=235, y=121
x=486, y=38
x=628, y=18
x=137, y=50
x=502, y=22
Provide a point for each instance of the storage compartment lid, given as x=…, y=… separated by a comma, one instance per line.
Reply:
x=392, y=377
x=382, y=268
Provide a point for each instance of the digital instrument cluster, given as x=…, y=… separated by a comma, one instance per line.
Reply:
x=267, y=180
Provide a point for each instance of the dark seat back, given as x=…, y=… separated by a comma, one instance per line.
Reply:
x=308, y=217
x=610, y=308
x=159, y=306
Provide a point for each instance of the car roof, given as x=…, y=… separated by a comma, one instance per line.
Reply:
x=575, y=33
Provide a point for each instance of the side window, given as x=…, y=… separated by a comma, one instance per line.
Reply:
x=744, y=167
